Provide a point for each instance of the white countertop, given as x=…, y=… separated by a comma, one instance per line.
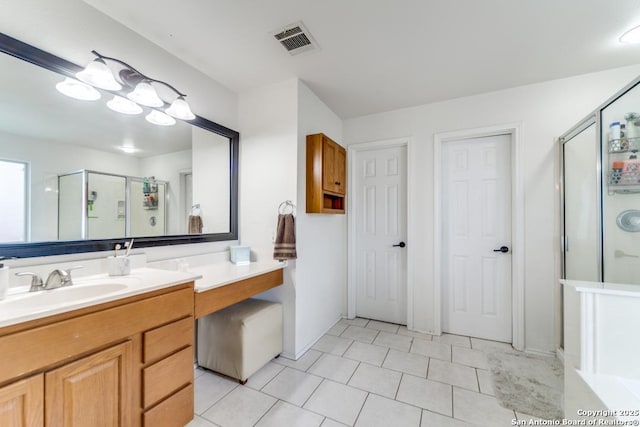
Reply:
x=87, y=291
x=619, y=289
x=215, y=275
x=620, y=395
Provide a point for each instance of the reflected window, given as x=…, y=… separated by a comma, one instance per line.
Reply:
x=13, y=201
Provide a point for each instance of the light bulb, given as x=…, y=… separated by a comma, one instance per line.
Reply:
x=97, y=74
x=145, y=94
x=159, y=118
x=77, y=90
x=180, y=110
x=124, y=106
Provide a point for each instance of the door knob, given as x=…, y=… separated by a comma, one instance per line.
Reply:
x=503, y=249
x=400, y=245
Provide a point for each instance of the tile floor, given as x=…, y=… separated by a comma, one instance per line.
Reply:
x=362, y=373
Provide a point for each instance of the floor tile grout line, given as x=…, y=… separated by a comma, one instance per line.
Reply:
x=364, y=402
x=453, y=415
x=353, y=373
x=273, y=378
x=267, y=411
x=395, y=396
x=311, y=394
x=218, y=400
x=428, y=365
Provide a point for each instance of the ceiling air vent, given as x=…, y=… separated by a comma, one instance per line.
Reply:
x=295, y=38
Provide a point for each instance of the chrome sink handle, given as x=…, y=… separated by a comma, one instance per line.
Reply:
x=58, y=278
x=68, y=281
x=36, y=281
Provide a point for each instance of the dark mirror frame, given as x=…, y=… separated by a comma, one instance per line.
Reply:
x=41, y=58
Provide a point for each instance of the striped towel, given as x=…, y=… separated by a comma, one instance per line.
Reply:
x=285, y=245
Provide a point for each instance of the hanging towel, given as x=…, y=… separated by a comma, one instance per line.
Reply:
x=285, y=245
x=195, y=224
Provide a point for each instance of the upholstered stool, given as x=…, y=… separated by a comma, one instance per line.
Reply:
x=240, y=339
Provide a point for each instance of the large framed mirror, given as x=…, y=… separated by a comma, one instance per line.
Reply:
x=76, y=176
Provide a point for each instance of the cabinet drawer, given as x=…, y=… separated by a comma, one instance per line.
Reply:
x=167, y=339
x=166, y=376
x=176, y=411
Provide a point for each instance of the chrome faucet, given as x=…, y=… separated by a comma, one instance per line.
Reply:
x=56, y=279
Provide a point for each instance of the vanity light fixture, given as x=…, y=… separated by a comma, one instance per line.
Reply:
x=124, y=106
x=136, y=87
x=632, y=36
x=78, y=90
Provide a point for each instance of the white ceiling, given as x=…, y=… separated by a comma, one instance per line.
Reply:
x=379, y=55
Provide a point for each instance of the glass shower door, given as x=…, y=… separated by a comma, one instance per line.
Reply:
x=581, y=206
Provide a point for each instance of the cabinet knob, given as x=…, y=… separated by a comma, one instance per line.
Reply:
x=337, y=183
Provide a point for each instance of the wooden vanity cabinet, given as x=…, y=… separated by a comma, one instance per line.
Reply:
x=326, y=175
x=22, y=403
x=123, y=363
x=93, y=391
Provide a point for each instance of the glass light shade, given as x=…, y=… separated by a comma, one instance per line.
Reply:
x=78, y=90
x=99, y=75
x=632, y=36
x=159, y=118
x=124, y=106
x=145, y=94
x=180, y=110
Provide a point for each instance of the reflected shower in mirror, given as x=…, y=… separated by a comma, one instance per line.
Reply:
x=76, y=170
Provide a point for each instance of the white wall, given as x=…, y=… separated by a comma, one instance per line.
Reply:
x=274, y=122
x=268, y=176
x=212, y=188
x=167, y=167
x=545, y=111
x=322, y=239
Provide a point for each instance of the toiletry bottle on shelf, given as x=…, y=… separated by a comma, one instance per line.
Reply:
x=616, y=172
x=614, y=137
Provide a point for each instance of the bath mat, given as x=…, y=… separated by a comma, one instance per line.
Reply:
x=529, y=384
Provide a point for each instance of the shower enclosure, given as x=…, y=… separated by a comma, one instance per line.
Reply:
x=97, y=205
x=601, y=192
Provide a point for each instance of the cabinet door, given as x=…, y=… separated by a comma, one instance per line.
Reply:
x=340, y=171
x=334, y=160
x=329, y=151
x=93, y=391
x=22, y=403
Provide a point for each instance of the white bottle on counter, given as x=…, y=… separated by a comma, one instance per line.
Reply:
x=4, y=280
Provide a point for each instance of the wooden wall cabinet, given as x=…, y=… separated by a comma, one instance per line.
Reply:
x=326, y=175
x=123, y=363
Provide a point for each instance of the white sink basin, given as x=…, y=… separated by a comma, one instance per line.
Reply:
x=55, y=297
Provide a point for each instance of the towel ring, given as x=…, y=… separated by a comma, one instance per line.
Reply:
x=282, y=209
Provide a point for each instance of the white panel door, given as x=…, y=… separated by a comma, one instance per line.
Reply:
x=476, y=220
x=381, y=221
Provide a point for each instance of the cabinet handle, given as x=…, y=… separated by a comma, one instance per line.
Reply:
x=337, y=183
